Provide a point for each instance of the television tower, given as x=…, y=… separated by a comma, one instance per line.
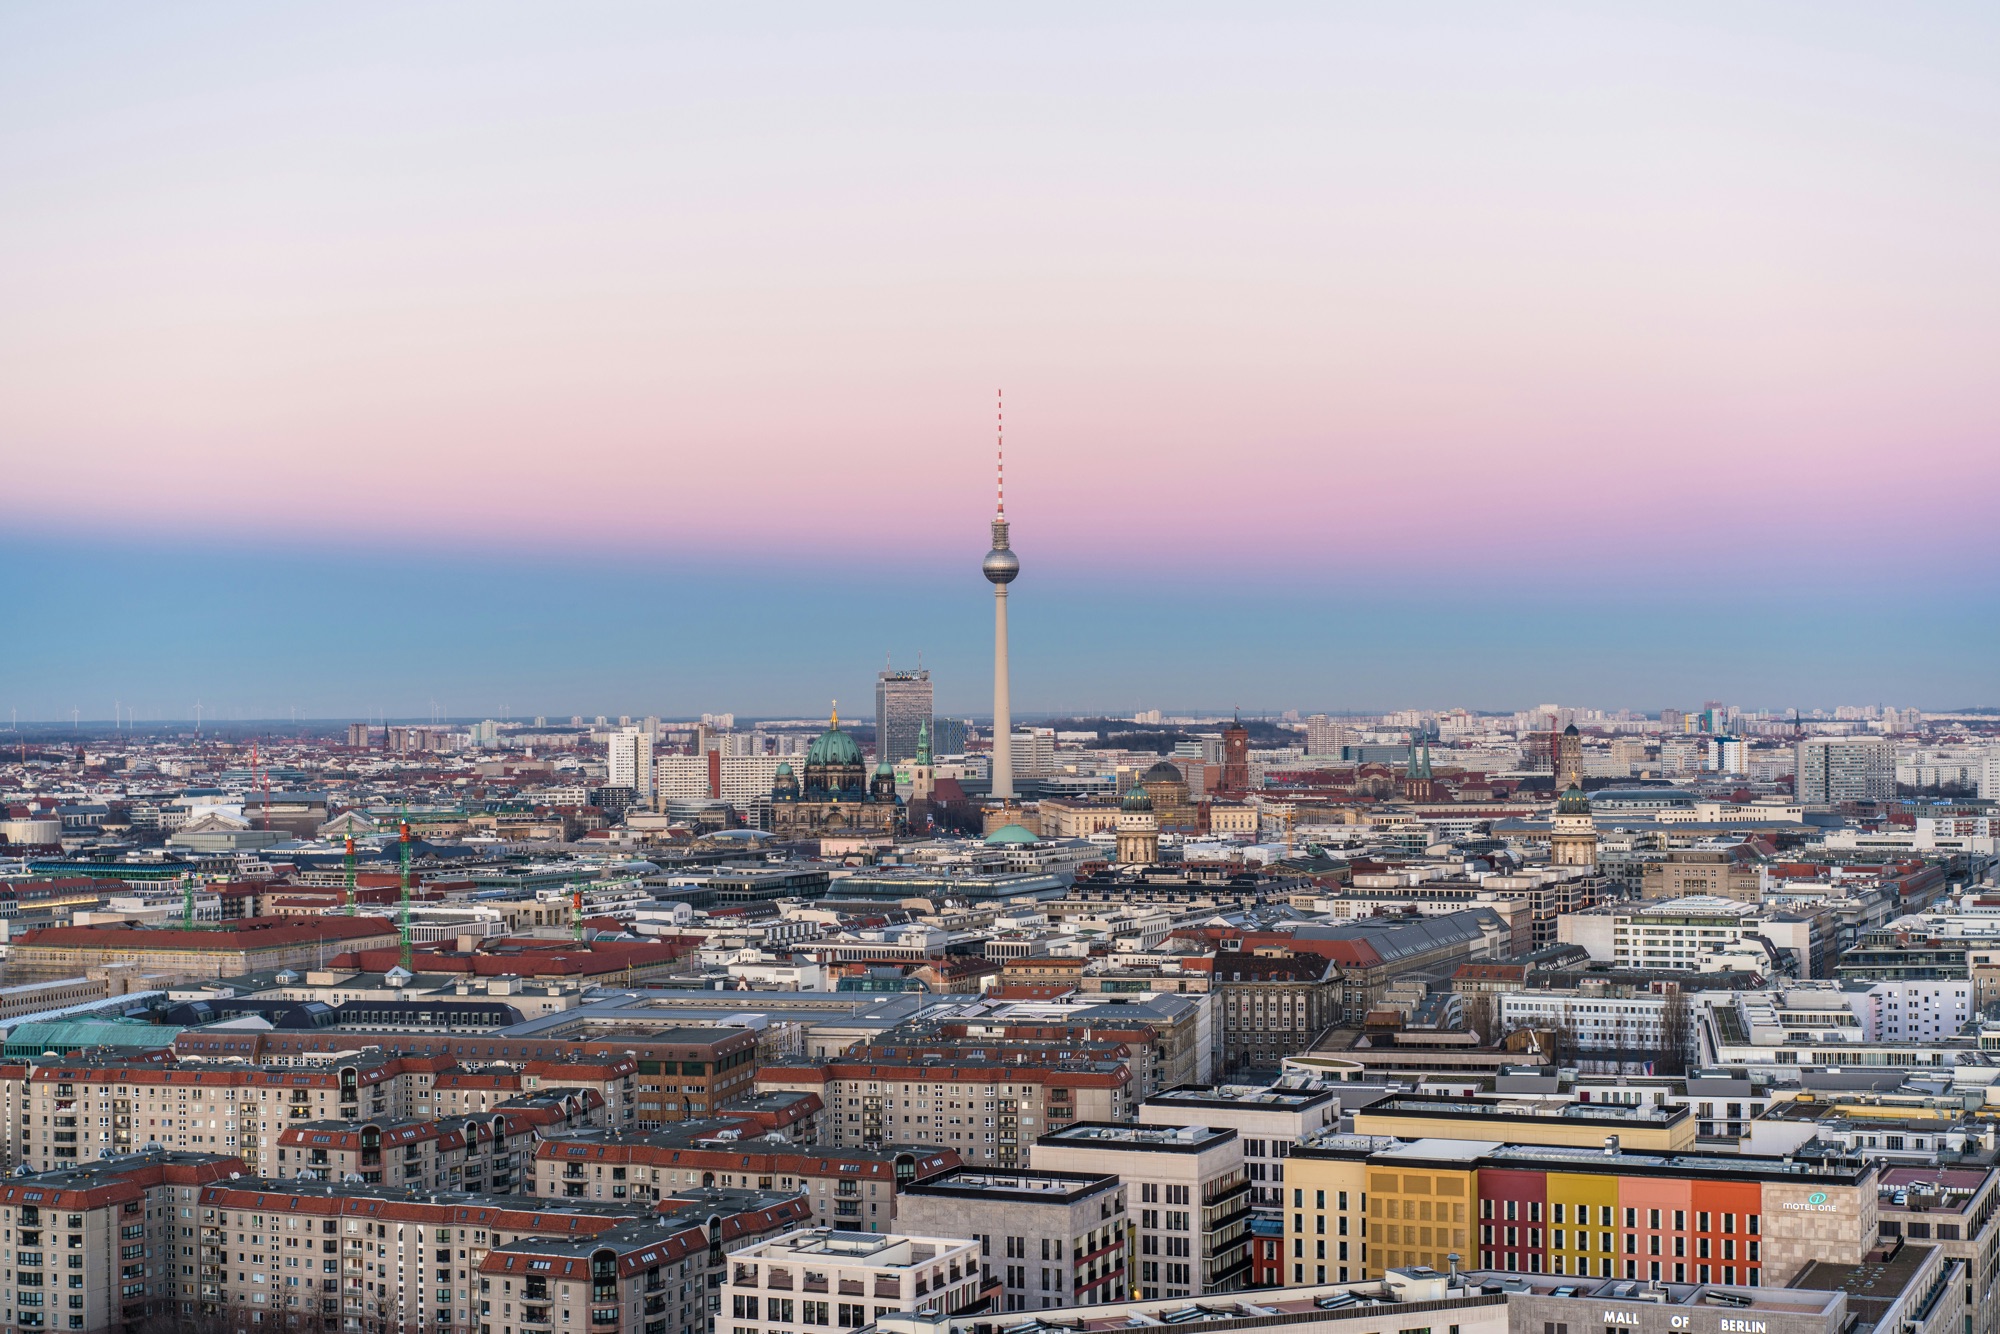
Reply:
x=1000, y=567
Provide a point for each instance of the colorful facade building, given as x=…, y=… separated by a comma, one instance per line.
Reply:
x=1361, y=1204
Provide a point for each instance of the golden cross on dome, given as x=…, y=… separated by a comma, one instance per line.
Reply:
x=836, y=714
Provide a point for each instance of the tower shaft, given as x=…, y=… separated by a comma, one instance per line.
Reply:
x=1003, y=717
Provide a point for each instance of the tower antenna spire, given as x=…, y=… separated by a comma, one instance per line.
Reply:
x=999, y=455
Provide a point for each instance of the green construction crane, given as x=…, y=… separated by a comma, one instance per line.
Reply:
x=405, y=924
x=350, y=875
x=187, y=900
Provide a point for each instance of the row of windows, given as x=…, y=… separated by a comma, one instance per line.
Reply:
x=1607, y=1216
x=1606, y=1242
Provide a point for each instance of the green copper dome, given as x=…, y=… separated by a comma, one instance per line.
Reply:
x=1573, y=802
x=1011, y=835
x=1136, y=799
x=833, y=746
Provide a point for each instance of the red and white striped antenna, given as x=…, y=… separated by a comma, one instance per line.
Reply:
x=999, y=456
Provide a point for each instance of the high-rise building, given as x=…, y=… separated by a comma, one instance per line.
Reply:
x=630, y=762
x=1001, y=567
x=1033, y=752
x=948, y=736
x=1324, y=736
x=902, y=708
x=1832, y=769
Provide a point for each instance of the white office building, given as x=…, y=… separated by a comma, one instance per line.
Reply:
x=1832, y=769
x=825, y=1278
x=630, y=762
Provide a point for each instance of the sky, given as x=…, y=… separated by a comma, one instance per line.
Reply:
x=631, y=358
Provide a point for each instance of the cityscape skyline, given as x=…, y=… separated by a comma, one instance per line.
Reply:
x=1475, y=808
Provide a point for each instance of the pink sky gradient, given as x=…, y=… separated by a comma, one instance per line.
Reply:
x=1420, y=283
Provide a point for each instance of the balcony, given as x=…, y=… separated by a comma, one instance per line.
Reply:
x=889, y=1288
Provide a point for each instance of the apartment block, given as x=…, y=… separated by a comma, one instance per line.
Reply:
x=854, y=1189
x=646, y=1275
x=1048, y=1238
x=1188, y=1187
x=79, y=1110
x=491, y=1153
x=984, y=1110
x=825, y=1278
x=381, y=1258
x=94, y=1247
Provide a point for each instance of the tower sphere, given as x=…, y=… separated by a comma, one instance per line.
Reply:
x=1000, y=566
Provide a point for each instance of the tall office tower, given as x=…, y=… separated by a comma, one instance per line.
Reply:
x=1032, y=753
x=948, y=736
x=902, y=708
x=1831, y=769
x=1324, y=736
x=1001, y=567
x=631, y=762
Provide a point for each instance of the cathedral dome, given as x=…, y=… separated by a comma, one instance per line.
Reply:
x=1163, y=772
x=833, y=746
x=1011, y=835
x=1136, y=799
x=1573, y=802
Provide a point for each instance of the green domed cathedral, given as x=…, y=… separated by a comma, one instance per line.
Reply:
x=836, y=795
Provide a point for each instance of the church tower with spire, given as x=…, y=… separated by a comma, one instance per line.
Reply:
x=923, y=772
x=1416, y=783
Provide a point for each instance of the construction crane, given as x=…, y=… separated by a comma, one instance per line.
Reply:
x=576, y=916
x=350, y=874
x=267, y=783
x=187, y=900
x=405, y=922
